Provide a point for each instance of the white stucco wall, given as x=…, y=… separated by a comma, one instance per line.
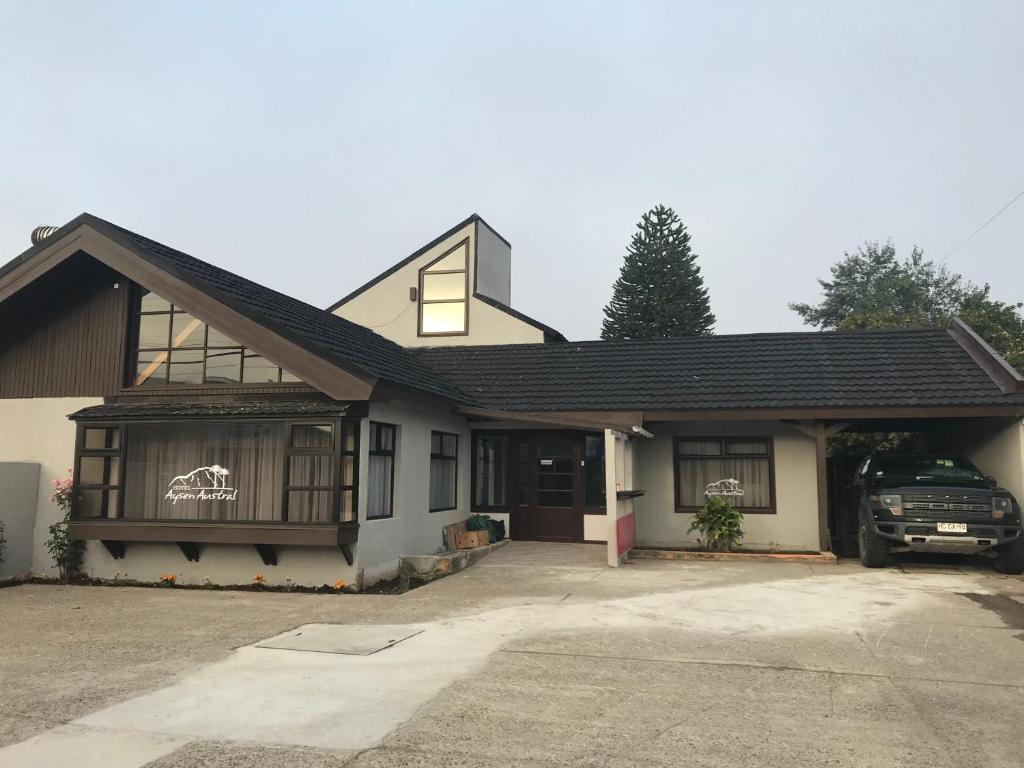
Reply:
x=996, y=447
x=413, y=530
x=222, y=564
x=794, y=526
x=386, y=308
x=38, y=429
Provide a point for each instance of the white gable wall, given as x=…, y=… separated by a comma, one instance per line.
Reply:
x=386, y=308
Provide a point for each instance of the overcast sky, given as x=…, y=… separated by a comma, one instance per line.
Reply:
x=309, y=145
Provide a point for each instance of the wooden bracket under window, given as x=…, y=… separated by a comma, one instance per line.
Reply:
x=115, y=548
x=267, y=553
x=347, y=552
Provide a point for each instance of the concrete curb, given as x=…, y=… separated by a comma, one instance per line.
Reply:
x=828, y=558
x=430, y=567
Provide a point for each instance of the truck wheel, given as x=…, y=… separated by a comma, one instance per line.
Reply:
x=1010, y=557
x=874, y=550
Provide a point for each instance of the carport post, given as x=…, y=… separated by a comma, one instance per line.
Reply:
x=821, y=445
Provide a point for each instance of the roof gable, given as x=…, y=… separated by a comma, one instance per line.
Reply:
x=342, y=359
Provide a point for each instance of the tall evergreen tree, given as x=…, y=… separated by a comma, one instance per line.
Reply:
x=660, y=291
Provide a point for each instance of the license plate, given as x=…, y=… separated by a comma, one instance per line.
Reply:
x=952, y=527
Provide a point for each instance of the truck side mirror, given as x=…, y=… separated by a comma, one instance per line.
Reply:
x=991, y=481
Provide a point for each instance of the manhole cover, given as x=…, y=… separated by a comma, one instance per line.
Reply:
x=349, y=639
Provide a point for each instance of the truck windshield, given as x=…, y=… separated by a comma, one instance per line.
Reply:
x=924, y=468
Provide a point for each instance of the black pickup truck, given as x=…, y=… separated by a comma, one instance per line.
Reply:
x=929, y=503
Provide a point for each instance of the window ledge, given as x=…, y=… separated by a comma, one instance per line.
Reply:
x=282, y=534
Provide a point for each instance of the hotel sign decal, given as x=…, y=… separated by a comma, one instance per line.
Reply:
x=202, y=484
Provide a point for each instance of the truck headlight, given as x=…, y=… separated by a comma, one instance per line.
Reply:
x=893, y=502
x=1001, y=507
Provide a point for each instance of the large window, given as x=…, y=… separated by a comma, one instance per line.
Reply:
x=444, y=293
x=702, y=461
x=490, y=484
x=444, y=461
x=173, y=347
x=255, y=471
x=380, y=472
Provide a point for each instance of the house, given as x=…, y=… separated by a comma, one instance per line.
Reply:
x=216, y=427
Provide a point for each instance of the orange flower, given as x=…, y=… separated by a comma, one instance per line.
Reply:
x=258, y=579
x=168, y=578
x=339, y=585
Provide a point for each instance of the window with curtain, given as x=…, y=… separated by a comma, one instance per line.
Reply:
x=700, y=461
x=309, y=493
x=173, y=347
x=490, y=484
x=219, y=471
x=380, y=474
x=444, y=293
x=444, y=460
x=209, y=471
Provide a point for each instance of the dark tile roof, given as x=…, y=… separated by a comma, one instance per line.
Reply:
x=546, y=329
x=253, y=408
x=846, y=369
x=333, y=338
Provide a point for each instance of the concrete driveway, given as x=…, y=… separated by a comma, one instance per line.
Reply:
x=537, y=656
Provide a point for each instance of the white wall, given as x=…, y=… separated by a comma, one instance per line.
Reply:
x=413, y=530
x=996, y=447
x=494, y=265
x=386, y=308
x=221, y=564
x=37, y=429
x=793, y=527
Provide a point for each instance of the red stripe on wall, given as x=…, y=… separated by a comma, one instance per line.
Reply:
x=625, y=533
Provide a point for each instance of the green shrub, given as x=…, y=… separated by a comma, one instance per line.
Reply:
x=719, y=524
x=3, y=541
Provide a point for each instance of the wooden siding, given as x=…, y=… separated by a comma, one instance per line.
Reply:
x=64, y=334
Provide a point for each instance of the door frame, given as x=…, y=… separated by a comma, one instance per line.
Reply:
x=523, y=517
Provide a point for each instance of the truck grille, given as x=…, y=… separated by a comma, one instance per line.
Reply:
x=951, y=507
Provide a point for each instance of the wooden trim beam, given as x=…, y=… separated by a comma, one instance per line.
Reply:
x=282, y=534
x=1006, y=377
x=623, y=421
x=821, y=463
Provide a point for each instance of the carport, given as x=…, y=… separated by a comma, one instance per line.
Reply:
x=994, y=444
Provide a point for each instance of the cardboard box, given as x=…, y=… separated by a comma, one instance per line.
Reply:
x=471, y=539
x=450, y=532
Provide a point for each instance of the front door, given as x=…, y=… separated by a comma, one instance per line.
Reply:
x=550, y=507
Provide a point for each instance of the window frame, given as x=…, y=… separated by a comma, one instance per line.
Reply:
x=333, y=451
x=442, y=457
x=421, y=302
x=135, y=348
x=376, y=450
x=82, y=452
x=772, y=509
x=474, y=437
x=340, y=428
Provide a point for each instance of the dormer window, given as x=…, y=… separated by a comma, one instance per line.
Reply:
x=444, y=293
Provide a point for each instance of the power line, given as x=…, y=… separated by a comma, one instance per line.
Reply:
x=991, y=218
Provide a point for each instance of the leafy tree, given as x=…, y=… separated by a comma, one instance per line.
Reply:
x=660, y=291
x=872, y=288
